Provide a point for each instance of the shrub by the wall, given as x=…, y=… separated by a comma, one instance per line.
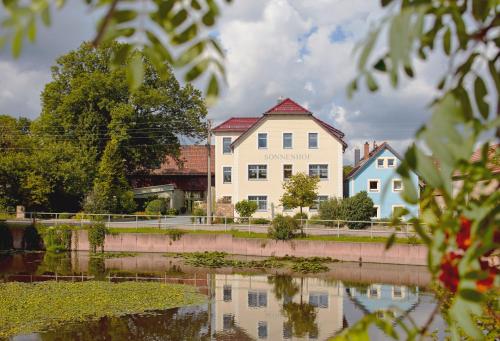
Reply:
x=157, y=206
x=283, y=228
x=56, y=238
x=260, y=221
x=358, y=208
x=6, y=242
x=300, y=216
x=332, y=209
x=97, y=234
x=246, y=208
x=172, y=211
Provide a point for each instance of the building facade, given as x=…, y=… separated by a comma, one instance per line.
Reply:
x=376, y=174
x=255, y=155
x=183, y=180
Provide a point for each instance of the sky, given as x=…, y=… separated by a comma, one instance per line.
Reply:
x=300, y=49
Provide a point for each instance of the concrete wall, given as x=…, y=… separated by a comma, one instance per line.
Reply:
x=366, y=252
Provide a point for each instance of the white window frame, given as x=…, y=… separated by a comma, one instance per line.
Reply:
x=403, y=292
x=230, y=141
x=377, y=215
x=377, y=288
x=263, y=323
x=383, y=163
x=320, y=164
x=283, y=169
x=368, y=186
x=258, y=293
x=283, y=140
x=317, y=140
x=267, y=140
x=387, y=162
x=231, y=170
x=397, y=190
x=258, y=178
x=257, y=201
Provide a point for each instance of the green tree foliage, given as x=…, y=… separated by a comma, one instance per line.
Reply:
x=283, y=227
x=465, y=115
x=56, y=238
x=157, y=206
x=178, y=27
x=97, y=235
x=300, y=191
x=355, y=210
x=246, y=208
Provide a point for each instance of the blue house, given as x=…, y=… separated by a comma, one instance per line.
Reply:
x=376, y=174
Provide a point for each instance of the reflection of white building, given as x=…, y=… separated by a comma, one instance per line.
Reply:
x=252, y=304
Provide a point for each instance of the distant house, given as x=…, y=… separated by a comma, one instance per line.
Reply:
x=375, y=174
x=183, y=181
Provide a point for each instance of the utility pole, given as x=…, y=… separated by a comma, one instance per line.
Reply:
x=209, y=173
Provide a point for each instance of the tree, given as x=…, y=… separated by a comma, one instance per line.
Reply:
x=465, y=113
x=300, y=191
x=246, y=208
x=358, y=209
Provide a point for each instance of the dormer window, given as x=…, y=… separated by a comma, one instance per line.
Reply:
x=391, y=162
x=380, y=163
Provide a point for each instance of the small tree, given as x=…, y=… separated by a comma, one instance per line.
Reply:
x=332, y=209
x=358, y=208
x=246, y=208
x=300, y=191
x=283, y=228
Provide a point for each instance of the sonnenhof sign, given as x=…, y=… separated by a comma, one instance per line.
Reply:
x=287, y=157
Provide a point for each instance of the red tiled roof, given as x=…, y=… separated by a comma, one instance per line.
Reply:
x=193, y=160
x=236, y=124
x=288, y=106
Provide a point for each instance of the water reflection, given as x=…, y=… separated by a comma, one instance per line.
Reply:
x=257, y=306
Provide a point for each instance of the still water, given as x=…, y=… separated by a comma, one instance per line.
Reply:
x=272, y=305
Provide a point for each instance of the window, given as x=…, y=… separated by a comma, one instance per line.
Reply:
x=257, y=299
x=397, y=185
x=373, y=185
x=317, y=202
x=313, y=140
x=377, y=211
x=397, y=291
x=227, y=293
x=228, y=321
x=287, y=171
x=380, y=162
x=226, y=199
x=227, y=174
x=374, y=292
x=318, y=300
x=391, y=162
x=262, y=329
x=287, y=140
x=262, y=140
x=257, y=172
x=226, y=145
x=261, y=201
x=320, y=171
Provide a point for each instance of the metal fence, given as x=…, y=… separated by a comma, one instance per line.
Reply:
x=218, y=223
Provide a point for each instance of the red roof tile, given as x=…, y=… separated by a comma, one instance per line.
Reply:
x=193, y=160
x=236, y=124
x=288, y=106
x=493, y=158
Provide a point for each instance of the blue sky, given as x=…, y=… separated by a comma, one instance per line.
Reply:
x=292, y=48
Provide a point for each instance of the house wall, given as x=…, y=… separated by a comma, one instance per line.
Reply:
x=386, y=198
x=246, y=152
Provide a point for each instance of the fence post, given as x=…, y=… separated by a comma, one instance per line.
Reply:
x=225, y=223
x=371, y=229
x=109, y=219
x=338, y=229
x=136, y=223
x=57, y=215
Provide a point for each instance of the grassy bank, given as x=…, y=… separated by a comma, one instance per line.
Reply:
x=28, y=308
x=245, y=234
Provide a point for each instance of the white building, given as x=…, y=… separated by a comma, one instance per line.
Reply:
x=255, y=155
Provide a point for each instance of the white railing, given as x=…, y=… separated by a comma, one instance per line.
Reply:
x=219, y=223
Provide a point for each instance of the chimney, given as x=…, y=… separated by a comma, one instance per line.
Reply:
x=357, y=156
x=366, y=151
x=280, y=99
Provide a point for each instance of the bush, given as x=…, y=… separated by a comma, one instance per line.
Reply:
x=246, y=208
x=6, y=242
x=65, y=216
x=200, y=213
x=356, y=208
x=97, y=234
x=157, y=206
x=260, y=221
x=56, y=238
x=172, y=211
x=300, y=216
x=283, y=228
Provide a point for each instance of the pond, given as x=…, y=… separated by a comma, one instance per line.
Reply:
x=243, y=304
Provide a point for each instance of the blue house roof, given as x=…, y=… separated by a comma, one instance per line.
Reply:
x=373, y=154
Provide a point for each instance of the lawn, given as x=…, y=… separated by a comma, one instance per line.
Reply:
x=28, y=308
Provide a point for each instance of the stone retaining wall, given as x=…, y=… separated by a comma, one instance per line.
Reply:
x=345, y=251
